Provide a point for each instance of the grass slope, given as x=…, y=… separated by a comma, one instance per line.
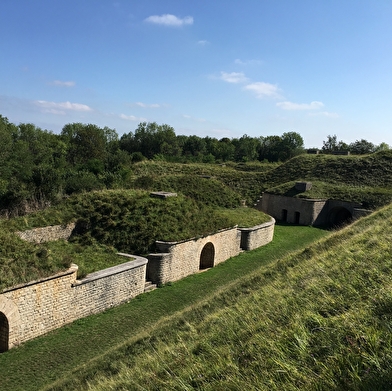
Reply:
x=109, y=221
x=366, y=180
x=319, y=319
x=74, y=354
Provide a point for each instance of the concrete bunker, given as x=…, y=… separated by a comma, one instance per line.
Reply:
x=338, y=216
x=4, y=333
x=207, y=256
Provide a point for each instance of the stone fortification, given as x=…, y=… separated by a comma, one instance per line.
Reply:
x=257, y=236
x=176, y=260
x=47, y=234
x=179, y=259
x=306, y=211
x=35, y=308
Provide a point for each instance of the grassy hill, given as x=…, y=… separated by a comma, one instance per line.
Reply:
x=108, y=222
x=363, y=179
x=319, y=319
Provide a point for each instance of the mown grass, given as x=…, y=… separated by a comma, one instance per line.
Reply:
x=74, y=354
x=319, y=319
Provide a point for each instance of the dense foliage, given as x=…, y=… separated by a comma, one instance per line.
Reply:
x=38, y=167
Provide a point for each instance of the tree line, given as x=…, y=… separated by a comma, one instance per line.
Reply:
x=38, y=167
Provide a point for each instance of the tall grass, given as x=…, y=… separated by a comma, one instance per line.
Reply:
x=75, y=354
x=319, y=319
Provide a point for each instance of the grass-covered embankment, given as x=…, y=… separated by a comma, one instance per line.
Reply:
x=319, y=319
x=109, y=221
x=74, y=354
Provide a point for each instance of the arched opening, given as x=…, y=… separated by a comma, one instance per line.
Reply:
x=207, y=256
x=339, y=216
x=4, y=333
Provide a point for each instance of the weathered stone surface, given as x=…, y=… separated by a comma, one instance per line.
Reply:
x=255, y=237
x=47, y=234
x=40, y=306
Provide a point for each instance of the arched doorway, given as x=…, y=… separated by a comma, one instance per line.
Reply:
x=4, y=333
x=207, y=256
x=339, y=216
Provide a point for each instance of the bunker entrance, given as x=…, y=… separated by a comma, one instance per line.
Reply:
x=207, y=256
x=4, y=333
x=339, y=216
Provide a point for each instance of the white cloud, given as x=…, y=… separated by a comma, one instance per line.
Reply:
x=146, y=105
x=132, y=118
x=234, y=77
x=169, y=20
x=263, y=90
x=315, y=105
x=202, y=42
x=62, y=107
x=60, y=83
x=248, y=62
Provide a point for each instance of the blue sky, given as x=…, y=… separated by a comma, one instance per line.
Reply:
x=221, y=68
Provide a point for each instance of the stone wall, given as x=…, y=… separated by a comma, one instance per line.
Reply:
x=257, y=236
x=40, y=306
x=306, y=211
x=298, y=210
x=176, y=260
x=47, y=234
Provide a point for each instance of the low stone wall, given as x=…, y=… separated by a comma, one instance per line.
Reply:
x=35, y=308
x=180, y=259
x=255, y=237
x=47, y=234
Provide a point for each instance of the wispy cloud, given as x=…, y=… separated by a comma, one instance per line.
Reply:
x=248, y=62
x=147, y=105
x=59, y=83
x=132, y=118
x=234, y=77
x=169, y=20
x=61, y=107
x=264, y=90
x=203, y=42
x=315, y=105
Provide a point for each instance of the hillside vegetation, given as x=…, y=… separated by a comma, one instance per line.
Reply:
x=319, y=319
x=107, y=222
x=364, y=179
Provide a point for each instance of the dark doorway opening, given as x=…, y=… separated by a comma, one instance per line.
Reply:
x=297, y=216
x=4, y=333
x=284, y=215
x=339, y=216
x=207, y=256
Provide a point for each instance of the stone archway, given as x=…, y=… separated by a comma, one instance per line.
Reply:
x=4, y=333
x=339, y=216
x=207, y=256
x=9, y=324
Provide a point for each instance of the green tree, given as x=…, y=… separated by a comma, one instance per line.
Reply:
x=362, y=147
x=151, y=139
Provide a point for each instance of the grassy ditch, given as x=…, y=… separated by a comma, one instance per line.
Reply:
x=72, y=356
x=319, y=319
